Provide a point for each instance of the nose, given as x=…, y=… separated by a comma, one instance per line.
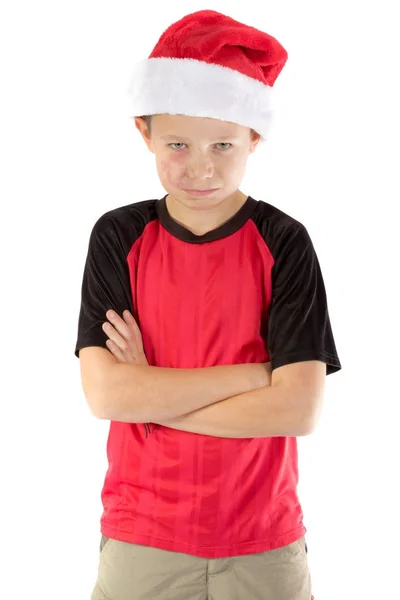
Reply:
x=200, y=167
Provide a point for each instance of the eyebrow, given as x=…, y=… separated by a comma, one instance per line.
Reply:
x=177, y=136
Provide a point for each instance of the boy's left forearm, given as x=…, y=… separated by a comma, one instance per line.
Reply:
x=266, y=412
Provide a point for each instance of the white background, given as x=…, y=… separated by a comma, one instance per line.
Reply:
x=69, y=153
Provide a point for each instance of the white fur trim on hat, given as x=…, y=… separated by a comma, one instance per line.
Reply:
x=200, y=89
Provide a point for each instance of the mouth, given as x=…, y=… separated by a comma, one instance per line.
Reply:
x=200, y=192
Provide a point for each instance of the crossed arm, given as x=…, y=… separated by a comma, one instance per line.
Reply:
x=226, y=401
x=289, y=406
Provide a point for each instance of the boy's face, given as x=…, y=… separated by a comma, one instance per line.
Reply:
x=198, y=153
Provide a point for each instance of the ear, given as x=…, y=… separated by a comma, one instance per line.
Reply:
x=141, y=125
x=255, y=138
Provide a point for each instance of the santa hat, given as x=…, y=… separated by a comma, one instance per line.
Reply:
x=209, y=65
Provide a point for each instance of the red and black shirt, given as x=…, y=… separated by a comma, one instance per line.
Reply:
x=249, y=291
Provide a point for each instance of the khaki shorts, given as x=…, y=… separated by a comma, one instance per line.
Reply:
x=135, y=572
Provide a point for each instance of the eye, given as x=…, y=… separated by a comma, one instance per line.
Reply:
x=176, y=144
x=224, y=144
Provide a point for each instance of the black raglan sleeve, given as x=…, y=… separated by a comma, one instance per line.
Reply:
x=299, y=327
x=106, y=282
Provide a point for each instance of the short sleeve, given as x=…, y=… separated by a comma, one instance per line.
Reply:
x=106, y=283
x=299, y=327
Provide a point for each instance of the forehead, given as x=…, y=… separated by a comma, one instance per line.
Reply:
x=166, y=126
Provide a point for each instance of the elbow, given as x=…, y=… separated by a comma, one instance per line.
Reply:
x=98, y=407
x=309, y=420
x=106, y=406
x=101, y=400
x=117, y=397
x=306, y=425
x=304, y=429
x=117, y=393
x=102, y=415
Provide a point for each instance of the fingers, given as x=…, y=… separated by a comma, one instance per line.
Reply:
x=125, y=333
x=115, y=351
x=114, y=336
x=132, y=323
x=118, y=323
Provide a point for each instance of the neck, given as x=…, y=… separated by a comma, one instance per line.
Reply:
x=200, y=221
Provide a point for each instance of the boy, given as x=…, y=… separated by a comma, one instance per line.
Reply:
x=218, y=339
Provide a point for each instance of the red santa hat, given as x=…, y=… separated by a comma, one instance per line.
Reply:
x=209, y=65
